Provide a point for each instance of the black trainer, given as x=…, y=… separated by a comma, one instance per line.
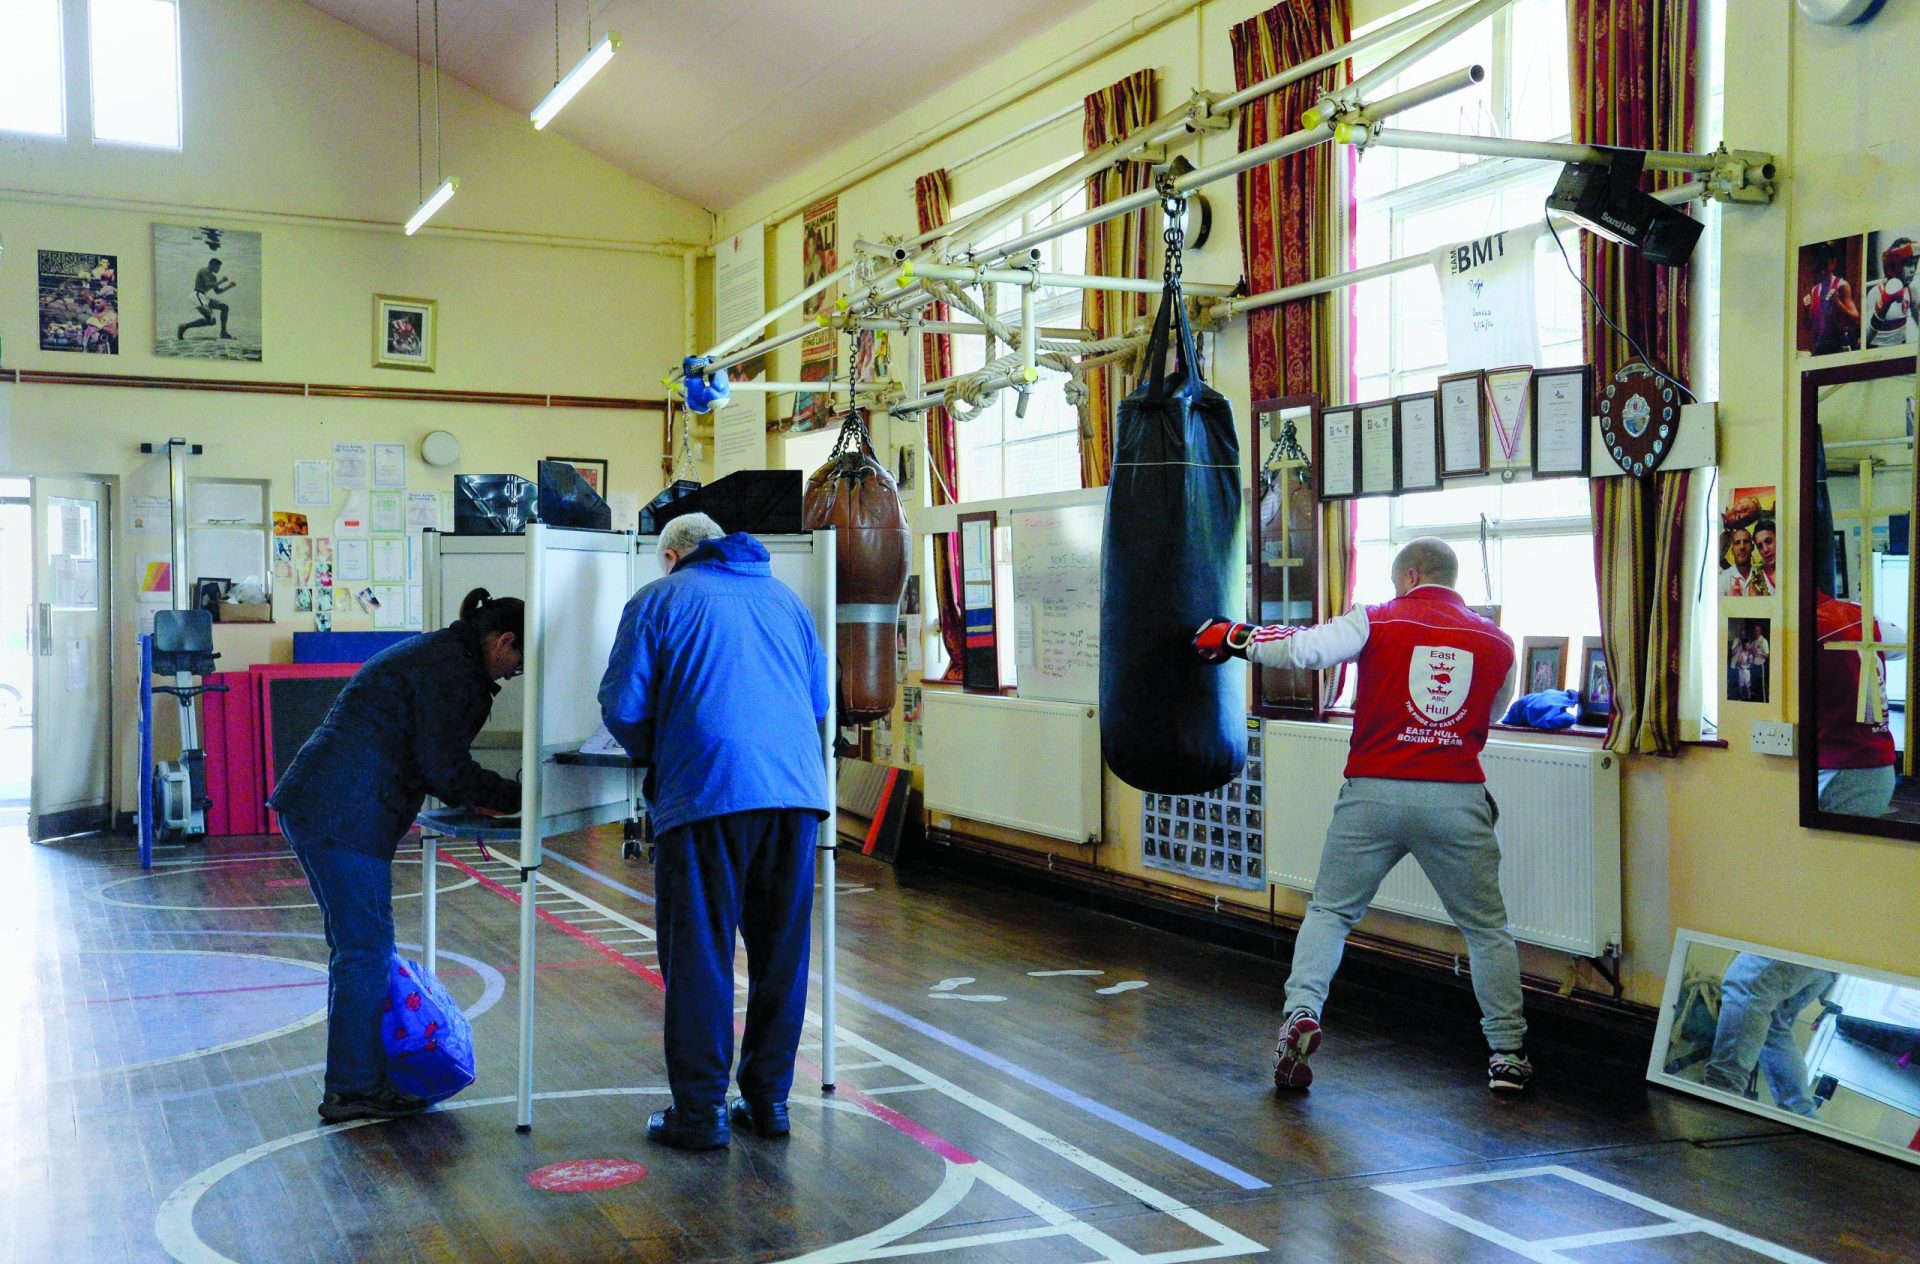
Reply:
x=762, y=1119
x=382, y=1103
x=695, y=1130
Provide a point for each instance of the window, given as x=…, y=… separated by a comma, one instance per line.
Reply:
x=1410, y=201
x=33, y=88
x=135, y=63
x=1001, y=453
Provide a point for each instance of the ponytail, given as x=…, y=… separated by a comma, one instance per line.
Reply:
x=487, y=614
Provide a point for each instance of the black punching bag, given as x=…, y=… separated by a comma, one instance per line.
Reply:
x=1170, y=723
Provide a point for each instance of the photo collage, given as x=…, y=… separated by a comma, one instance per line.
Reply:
x=1219, y=836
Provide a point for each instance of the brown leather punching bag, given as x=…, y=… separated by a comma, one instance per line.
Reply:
x=855, y=496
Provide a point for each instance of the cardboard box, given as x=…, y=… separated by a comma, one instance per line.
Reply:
x=245, y=612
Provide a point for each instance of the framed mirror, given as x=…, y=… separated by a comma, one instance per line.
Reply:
x=1285, y=586
x=1857, y=748
x=1819, y=1044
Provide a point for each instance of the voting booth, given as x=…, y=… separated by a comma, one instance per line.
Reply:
x=575, y=583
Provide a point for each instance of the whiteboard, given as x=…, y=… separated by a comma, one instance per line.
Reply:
x=1056, y=602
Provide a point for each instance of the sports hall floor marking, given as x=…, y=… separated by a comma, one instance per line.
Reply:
x=1222, y=1242
x=1550, y=1250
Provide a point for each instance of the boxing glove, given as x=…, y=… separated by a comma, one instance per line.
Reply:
x=1219, y=638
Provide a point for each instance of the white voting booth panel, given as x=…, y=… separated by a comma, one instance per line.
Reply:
x=576, y=584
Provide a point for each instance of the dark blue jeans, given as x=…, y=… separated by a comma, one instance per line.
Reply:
x=355, y=894
x=750, y=872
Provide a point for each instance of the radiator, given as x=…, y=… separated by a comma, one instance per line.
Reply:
x=1559, y=833
x=1032, y=766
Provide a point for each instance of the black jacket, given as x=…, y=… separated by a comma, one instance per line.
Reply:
x=401, y=730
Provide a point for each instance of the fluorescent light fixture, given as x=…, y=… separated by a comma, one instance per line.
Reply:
x=576, y=79
x=441, y=196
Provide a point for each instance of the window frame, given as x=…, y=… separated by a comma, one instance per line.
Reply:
x=179, y=144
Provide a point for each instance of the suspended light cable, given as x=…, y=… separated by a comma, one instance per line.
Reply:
x=567, y=87
x=448, y=185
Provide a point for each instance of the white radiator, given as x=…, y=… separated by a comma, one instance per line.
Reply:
x=1031, y=766
x=1559, y=833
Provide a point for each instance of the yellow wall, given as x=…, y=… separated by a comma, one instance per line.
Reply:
x=1709, y=838
x=554, y=273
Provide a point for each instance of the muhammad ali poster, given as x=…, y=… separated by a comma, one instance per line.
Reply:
x=207, y=300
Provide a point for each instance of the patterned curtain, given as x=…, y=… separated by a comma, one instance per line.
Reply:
x=933, y=198
x=1119, y=247
x=1290, y=214
x=1633, y=84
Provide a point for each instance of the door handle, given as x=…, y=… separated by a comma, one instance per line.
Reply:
x=46, y=628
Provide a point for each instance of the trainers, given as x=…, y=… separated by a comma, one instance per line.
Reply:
x=1299, y=1037
x=382, y=1103
x=1508, y=1071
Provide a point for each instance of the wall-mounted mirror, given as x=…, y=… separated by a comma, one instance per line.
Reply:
x=1285, y=585
x=1829, y=1047
x=1858, y=747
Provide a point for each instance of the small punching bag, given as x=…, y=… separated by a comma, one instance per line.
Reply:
x=1170, y=723
x=855, y=496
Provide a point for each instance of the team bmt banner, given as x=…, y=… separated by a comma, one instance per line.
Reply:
x=1486, y=294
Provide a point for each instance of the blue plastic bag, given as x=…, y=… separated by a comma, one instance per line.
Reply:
x=428, y=1040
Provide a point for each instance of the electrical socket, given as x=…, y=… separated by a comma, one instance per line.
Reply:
x=1772, y=737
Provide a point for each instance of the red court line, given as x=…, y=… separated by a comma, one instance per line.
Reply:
x=885, y=1114
x=168, y=996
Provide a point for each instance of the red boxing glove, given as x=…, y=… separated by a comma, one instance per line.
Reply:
x=1219, y=638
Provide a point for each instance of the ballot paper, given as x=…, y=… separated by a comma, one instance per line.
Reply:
x=602, y=743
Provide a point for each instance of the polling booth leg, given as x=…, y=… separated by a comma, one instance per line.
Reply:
x=429, y=901
x=828, y=975
x=529, y=884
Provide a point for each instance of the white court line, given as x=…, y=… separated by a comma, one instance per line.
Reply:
x=897, y=1088
x=1549, y=1250
x=1223, y=1241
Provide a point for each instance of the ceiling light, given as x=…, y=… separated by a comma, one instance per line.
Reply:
x=576, y=79
x=441, y=196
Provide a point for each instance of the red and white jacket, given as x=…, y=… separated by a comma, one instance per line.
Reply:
x=1431, y=671
x=1840, y=739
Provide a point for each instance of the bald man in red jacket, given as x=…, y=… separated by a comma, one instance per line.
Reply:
x=1432, y=675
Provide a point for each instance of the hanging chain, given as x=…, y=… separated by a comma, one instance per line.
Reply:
x=1285, y=448
x=419, y=128
x=556, y=43
x=1174, y=204
x=853, y=438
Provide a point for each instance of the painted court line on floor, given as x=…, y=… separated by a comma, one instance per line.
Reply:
x=1551, y=1250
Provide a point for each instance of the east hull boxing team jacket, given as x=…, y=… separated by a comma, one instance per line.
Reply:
x=1430, y=673
x=1842, y=740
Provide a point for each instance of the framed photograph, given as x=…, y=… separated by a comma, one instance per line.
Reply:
x=1337, y=448
x=207, y=297
x=1749, y=659
x=1596, y=684
x=79, y=302
x=1419, y=424
x=1543, y=663
x=405, y=331
x=591, y=469
x=1562, y=425
x=1463, y=425
x=1379, y=450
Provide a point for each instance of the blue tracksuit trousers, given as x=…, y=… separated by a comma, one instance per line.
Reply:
x=750, y=872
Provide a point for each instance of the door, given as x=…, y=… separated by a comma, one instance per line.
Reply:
x=72, y=681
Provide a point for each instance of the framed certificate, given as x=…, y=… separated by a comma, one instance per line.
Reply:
x=1509, y=414
x=1419, y=442
x=1463, y=425
x=1562, y=429
x=1379, y=450
x=1339, y=453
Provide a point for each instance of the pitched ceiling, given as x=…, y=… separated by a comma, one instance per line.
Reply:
x=715, y=99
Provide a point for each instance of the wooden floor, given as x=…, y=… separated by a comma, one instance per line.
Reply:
x=1019, y=1082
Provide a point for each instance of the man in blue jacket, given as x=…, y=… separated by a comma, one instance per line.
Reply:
x=718, y=684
